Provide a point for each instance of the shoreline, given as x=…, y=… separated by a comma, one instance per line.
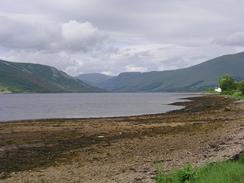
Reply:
x=120, y=148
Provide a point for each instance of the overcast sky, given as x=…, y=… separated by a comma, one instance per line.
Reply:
x=113, y=36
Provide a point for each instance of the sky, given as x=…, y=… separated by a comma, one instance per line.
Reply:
x=114, y=36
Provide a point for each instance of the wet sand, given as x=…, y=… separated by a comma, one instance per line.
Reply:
x=123, y=149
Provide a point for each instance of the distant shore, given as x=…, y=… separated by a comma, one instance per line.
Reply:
x=5, y=92
x=125, y=149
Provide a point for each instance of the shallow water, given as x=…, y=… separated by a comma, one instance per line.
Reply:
x=83, y=105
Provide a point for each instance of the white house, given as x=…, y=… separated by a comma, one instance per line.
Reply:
x=219, y=90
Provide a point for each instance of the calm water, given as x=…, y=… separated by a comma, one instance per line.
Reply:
x=37, y=106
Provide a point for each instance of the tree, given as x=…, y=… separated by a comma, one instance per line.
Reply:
x=227, y=83
x=241, y=86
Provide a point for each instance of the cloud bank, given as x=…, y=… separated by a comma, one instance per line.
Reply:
x=115, y=36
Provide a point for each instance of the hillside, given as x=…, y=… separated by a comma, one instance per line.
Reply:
x=94, y=78
x=26, y=77
x=195, y=78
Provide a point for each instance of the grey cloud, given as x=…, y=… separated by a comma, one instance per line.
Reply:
x=112, y=36
x=25, y=32
x=235, y=39
x=77, y=36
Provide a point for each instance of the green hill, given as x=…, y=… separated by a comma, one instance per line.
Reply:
x=26, y=77
x=195, y=78
x=94, y=78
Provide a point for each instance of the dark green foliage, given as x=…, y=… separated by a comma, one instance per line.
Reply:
x=187, y=174
x=241, y=87
x=227, y=83
x=231, y=87
x=25, y=77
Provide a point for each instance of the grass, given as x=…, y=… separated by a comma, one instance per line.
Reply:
x=238, y=95
x=221, y=172
x=4, y=90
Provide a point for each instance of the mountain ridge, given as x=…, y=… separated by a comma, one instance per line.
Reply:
x=94, y=78
x=194, y=78
x=29, y=77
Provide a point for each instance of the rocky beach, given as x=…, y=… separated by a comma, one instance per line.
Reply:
x=121, y=149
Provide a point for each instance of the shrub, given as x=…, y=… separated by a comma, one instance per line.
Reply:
x=162, y=178
x=187, y=174
x=241, y=86
x=227, y=83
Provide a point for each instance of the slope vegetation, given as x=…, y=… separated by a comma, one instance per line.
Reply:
x=195, y=78
x=26, y=77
